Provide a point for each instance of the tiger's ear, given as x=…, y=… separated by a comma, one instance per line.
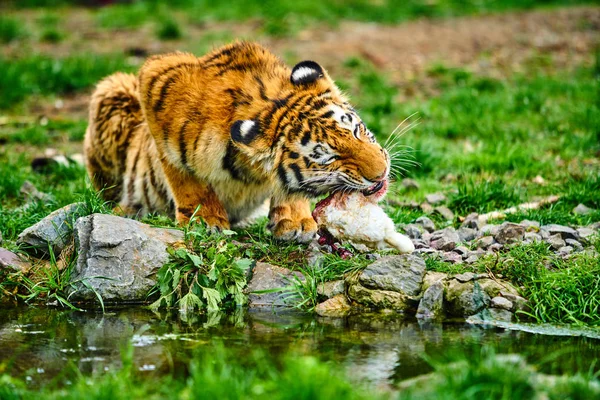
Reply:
x=306, y=72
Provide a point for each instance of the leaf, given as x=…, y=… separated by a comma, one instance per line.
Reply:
x=213, y=298
x=243, y=263
x=228, y=232
x=188, y=302
x=176, y=276
x=197, y=261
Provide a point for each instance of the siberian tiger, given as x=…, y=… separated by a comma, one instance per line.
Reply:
x=227, y=132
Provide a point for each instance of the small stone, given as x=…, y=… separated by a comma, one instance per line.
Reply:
x=426, y=208
x=595, y=226
x=432, y=277
x=410, y=184
x=574, y=244
x=485, y=242
x=539, y=180
x=544, y=234
x=501, y=302
x=445, y=239
x=403, y=273
x=452, y=257
x=31, y=193
x=582, y=209
x=467, y=234
x=490, y=230
x=531, y=237
x=462, y=251
x=413, y=231
x=472, y=258
x=519, y=303
x=465, y=277
x=426, y=223
x=331, y=288
x=425, y=250
x=435, y=198
x=337, y=306
x=530, y=225
x=465, y=299
x=564, y=231
x=372, y=256
x=500, y=314
x=445, y=212
x=12, y=262
x=471, y=221
x=586, y=233
x=496, y=247
x=420, y=244
x=510, y=232
x=556, y=241
x=431, y=305
x=565, y=250
x=268, y=277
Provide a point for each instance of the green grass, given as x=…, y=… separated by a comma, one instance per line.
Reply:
x=11, y=29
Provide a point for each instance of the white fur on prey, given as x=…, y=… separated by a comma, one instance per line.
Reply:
x=358, y=220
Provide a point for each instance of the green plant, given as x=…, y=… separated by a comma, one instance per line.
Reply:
x=11, y=29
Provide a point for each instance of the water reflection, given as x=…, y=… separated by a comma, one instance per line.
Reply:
x=380, y=349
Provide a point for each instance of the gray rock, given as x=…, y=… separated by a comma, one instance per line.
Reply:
x=269, y=277
x=381, y=299
x=426, y=223
x=452, y=257
x=564, y=231
x=413, y=231
x=519, y=303
x=565, y=250
x=431, y=305
x=12, y=262
x=496, y=247
x=501, y=302
x=118, y=257
x=530, y=225
x=556, y=241
x=544, y=234
x=331, y=288
x=432, y=277
x=462, y=251
x=485, y=242
x=586, y=233
x=425, y=250
x=445, y=212
x=435, y=198
x=595, y=226
x=531, y=237
x=472, y=221
x=420, y=244
x=372, y=256
x=54, y=231
x=574, y=244
x=465, y=299
x=465, y=277
x=410, y=184
x=337, y=306
x=500, y=314
x=582, y=209
x=31, y=193
x=403, y=273
x=509, y=232
x=315, y=257
x=445, y=239
x=472, y=258
x=426, y=208
x=490, y=229
x=467, y=234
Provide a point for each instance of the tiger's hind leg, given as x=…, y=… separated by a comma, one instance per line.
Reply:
x=189, y=193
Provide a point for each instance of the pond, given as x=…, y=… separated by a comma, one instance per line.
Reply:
x=36, y=344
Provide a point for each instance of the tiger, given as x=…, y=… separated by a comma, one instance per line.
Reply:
x=217, y=136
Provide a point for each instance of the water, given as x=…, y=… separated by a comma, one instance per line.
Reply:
x=37, y=344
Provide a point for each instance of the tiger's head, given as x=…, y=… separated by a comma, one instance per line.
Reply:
x=313, y=139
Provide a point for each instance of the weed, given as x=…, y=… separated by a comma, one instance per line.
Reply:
x=168, y=29
x=11, y=29
x=483, y=197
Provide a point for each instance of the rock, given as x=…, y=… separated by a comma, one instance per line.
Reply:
x=12, y=262
x=490, y=229
x=496, y=247
x=582, y=209
x=500, y=314
x=595, y=226
x=372, y=256
x=472, y=258
x=531, y=237
x=403, y=273
x=501, y=302
x=53, y=231
x=544, y=234
x=337, y=306
x=452, y=257
x=410, y=184
x=118, y=257
x=420, y=244
x=519, y=303
x=432, y=277
x=462, y=251
x=269, y=277
x=425, y=250
x=445, y=239
x=331, y=288
x=31, y=193
x=435, y=198
x=509, y=232
x=539, y=180
x=564, y=231
x=471, y=221
x=315, y=256
x=565, y=250
x=445, y=212
x=556, y=241
x=467, y=234
x=413, y=231
x=574, y=244
x=485, y=242
x=381, y=299
x=426, y=223
x=530, y=225
x=465, y=277
x=431, y=305
x=586, y=233
x=426, y=208
x=464, y=299
x=493, y=287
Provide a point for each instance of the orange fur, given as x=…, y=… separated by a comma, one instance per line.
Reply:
x=228, y=131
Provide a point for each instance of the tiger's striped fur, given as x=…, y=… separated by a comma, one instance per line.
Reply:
x=228, y=131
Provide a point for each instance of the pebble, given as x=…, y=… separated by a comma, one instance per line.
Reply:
x=462, y=251
x=582, y=209
x=531, y=237
x=445, y=239
x=530, y=225
x=510, y=232
x=565, y=250
x=585, y=233
x=467, y=234
x=426, y=223
x=502, y=303
x=426, y=208
x=435, y=198
x=485, y=242
x=410, y=184
x=564, y=231
x=574, y=244
x=452, y=257
x=471, y=221
x=490, y=230
x=496, y=247
x=413, y=231
x=445, y=212
x=556, y=241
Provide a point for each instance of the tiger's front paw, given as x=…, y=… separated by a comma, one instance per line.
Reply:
x=301, y=231
x=214, y=222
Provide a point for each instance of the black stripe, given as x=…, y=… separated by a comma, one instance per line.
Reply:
x=305, y=138
x=221, y=53
x=163, y=73
x=297, y=172
x=158, y=106
x=183, y=147
x=261, y=88
x=130, y=187
x=328, y=114
x=229, y=161
x=145, y=191
x=282, y=176
x=293, y=154
x=306, y=161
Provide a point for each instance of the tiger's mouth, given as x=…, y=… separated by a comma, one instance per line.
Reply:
x=375, y=188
